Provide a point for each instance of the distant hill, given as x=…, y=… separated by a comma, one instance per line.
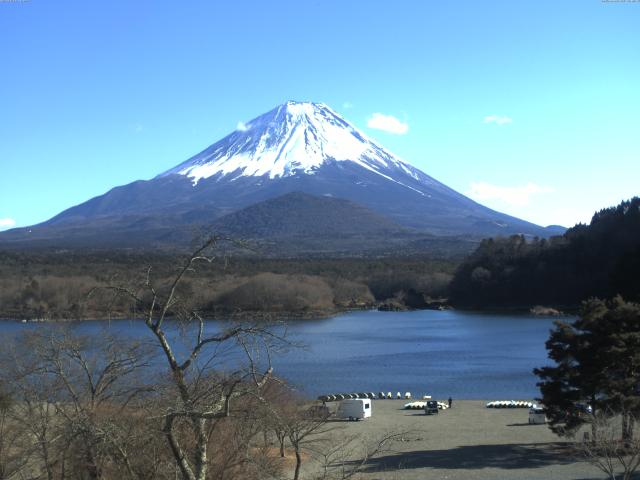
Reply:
x=600, y=259
x=298, y=223
x=299, y=214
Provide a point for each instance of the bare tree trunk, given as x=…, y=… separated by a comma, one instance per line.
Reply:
x=47, y=460
x=296, y=474
x=201, y=448
x=178, y=454
x=281, y=435
x=93, y=469
x=594, y=427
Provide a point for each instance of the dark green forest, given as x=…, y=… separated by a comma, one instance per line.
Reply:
x=601, y=259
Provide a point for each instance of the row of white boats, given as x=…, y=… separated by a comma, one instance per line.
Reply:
x=380, y=396
x=510, y=404
x=421, y=405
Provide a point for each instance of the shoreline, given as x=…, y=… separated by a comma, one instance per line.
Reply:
x=231, y=316
x=302, y=315
x=248, y=315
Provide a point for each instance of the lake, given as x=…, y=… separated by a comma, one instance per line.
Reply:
x=465, y=355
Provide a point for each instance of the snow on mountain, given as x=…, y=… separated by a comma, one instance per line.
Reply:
x=294, y=138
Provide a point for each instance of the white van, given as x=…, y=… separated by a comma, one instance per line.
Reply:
x=354, y=409
x=537, y=415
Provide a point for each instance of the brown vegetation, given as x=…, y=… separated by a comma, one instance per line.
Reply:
x=274, y=292
x=84, y=408
x=55, y=285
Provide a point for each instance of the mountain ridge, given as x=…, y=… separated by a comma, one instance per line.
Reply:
x=295, y=147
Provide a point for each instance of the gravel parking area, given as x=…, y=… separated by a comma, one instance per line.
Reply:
x=468, y=441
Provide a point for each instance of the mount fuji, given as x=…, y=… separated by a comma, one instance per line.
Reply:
x=303, y=152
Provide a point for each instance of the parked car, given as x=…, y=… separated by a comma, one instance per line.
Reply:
x=584, y=408
x=431, y=407
x=537, y=415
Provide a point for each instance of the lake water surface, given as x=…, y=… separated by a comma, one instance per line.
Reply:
x=441, y=353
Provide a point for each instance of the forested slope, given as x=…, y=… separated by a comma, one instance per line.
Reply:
x=601, y=259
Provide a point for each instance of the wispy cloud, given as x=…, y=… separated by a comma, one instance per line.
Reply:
x=347, y=105
x=497, y=119
x=387, y=123
x=6, y=223
x=517, y=196
x=242, y=127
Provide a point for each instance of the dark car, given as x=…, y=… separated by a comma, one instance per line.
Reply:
x=431, y=407
x=583, y=408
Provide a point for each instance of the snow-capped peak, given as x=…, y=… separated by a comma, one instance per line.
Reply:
x=293, y=138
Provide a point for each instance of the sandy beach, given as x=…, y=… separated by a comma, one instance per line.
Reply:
x=469, y=441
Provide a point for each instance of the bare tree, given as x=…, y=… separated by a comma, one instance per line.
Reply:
x=278, y=404
x=33, y=412
x=611, y=449
x=305, y=431
x=73, y=395
x=350, y=455
x=14, y=457
x=206, y=374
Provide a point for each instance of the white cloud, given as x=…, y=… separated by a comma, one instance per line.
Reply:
x=514, y=196
x=497, y=119
x=6, y=223
x=242, y=127
x=387, y=123
x=347, y=105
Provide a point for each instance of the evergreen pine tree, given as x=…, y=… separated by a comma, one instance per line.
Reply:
x=597, y=363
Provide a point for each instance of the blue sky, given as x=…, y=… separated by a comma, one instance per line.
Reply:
x=530, y=107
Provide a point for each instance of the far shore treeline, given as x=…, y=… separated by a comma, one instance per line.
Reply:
x=601, y=259
x=597, y=260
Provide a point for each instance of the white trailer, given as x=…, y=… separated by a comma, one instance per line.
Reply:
x=354, y=409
